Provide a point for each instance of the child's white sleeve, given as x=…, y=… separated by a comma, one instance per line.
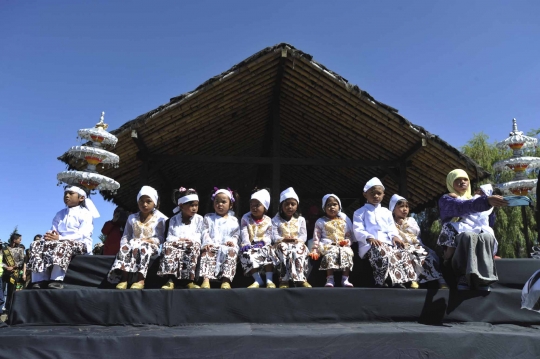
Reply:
x=244, y=233
x=302, y=231
x=359, y=229
x=275, y=231
x=170, y=233
x=317, y=233
x=206, y=240
x=128, y=233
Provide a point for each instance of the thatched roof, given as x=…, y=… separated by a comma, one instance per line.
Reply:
x=333, y=137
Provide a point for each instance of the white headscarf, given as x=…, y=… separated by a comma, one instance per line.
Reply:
x=185, y=199
x=228, y=192
x=487, y=189
x=87, y=201
x=262, y=196
x=373, y=182
x=150, y=192
x=395, y=199
x=325, y=198
x=288, y=193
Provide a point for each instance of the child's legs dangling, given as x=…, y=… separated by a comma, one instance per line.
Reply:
x=378, y=259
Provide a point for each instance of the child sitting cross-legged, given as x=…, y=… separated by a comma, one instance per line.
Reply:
x=379, y=238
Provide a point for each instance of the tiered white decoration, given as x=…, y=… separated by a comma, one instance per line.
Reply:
x=94, y=155
x=518, y=163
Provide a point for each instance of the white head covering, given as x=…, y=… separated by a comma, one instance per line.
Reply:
x=262, y=196
x=325, y=198
x=288, y=193
x=487, y=189
x=227, y=191
x=373, y=182
x=150, y=192
x=185, y=199
x=395, y=199
x=87, y=201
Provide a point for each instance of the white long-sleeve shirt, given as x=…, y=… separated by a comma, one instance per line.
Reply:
x=256, y=231
x=178, y=230
x=153, y=229
x=74, y=224
x=218, y=230
x=293, y=228
x=331, y=231
x=375, y=222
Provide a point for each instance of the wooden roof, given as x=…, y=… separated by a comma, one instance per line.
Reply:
x=280, y=119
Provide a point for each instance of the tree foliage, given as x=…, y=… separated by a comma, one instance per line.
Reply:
x=509, y=226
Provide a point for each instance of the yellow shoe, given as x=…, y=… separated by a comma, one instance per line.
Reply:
x=205, y=284
x=254, y=285
x=443, y=286
x=305, y=284
x=121, y=285
x=414, y=285
x=226, y=285
x=137, y=285
x=169, y=285
x=192, y=285
x=284, y=284
x=270, y=285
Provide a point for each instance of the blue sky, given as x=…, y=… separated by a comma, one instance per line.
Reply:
x=454, y=68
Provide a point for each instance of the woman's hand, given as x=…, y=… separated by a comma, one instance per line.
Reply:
x=314, y=254
x=374, y=242
x=52, y=236
x=24, y=277
x=290, y=240
x=398, y=242
x=230, y=244
x=497, y=201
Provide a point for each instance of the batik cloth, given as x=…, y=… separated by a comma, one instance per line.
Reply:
x=390, y=262
x=218, y=262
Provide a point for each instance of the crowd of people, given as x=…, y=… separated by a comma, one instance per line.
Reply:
x=266, y=246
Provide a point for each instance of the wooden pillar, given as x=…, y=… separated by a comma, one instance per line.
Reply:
x=528, y=245
x=143, y=177
x=403, y=191
x=276, y=132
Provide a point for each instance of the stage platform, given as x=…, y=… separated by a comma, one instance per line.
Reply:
x=90, y=319
x=244, y=340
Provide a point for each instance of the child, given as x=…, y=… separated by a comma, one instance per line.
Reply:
x=332, y=239
x=71, y=234
x=220, y=240
x=378, y=237
x=290, y=235
x=425, y=260
x=183, y=245
x=257, y=251
x=144, y=232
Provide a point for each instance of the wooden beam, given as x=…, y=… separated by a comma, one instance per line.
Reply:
x=331, y=162
x=413, y=150
x=145, y=156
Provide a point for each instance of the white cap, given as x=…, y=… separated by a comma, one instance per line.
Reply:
x=373, y=182
x=288, y=193
x=87, y=201
x=262, y=196
x=150, y=192
x=325, y=198
x=395, y=199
